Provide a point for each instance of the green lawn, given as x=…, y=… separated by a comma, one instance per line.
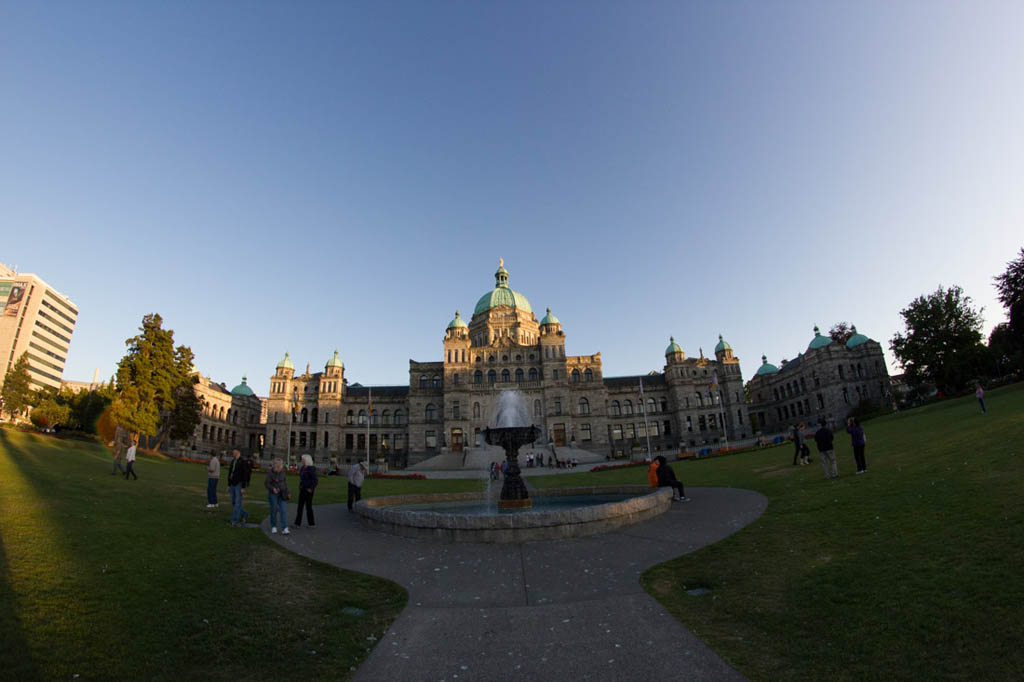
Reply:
x=912, y=571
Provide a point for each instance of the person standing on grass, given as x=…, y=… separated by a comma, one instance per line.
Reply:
x=307, y=484
x=797, y=442
x=118, y=453
x=823, y=438
x=276, y=483
x=212, y=479
x=238, y=481
x=667, y=479
x=356, y=475
x=129, y=459
x=858, y=440
x=980, y=395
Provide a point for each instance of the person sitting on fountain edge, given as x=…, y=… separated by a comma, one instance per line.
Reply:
x=667, y=478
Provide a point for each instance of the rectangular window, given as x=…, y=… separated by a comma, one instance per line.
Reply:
x=431, y=439
x=617, y=432
x=689, y=424
x=399, y=441
x=667, y=427
x=373, y=442
x=654, y=429
x=273, y=437
x=455, y=410
x=558, y=406
x=312, y=441
x=687, y=402
x=585, y=432
x=291, y=438
x=702, y=423
x=361, y=442
x=641, y=430
x=630, y=432
x=554, y=374
x=348, y=441
x=302, y=439
x=325, y=440
x=712, y=422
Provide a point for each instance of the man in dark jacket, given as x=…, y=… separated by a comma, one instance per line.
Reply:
x=798, y=440
x=667, y=479
x=823, y=438
x=238, y=481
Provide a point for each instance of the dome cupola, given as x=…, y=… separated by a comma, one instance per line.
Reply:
x=818, y=341
x=457, y=323
x=549, y=318
x=286, y=363
x=335, y=361
x=242, y=389
x=722, y=345
x=673, y=347
x=766, y=367
x=856, y=339
x=502, y=294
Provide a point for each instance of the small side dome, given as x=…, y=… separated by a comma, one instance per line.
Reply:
x=286, y=363
x=856, y=339
x=722, y=345
x=242, y=389
x=457, y=323
x=673, y=347
x=335, y=361
x=818, y=341
x=766, y=367
x=550, y=319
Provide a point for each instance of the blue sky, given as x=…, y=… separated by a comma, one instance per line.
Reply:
x=312, y=176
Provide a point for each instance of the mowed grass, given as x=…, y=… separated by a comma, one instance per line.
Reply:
x=103, y=578
x=912, y=571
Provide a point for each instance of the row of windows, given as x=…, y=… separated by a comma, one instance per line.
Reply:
x=53, y=331
x=215, y=412
x=62, y=302
x=46, y=316
x=34, y=345
x=46, y=303
x=218, y=434
x=51, y=342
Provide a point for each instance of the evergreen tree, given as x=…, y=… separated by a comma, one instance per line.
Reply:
x=149, y=381
x=17, y=393
x=942, y=343
x=1010, y=285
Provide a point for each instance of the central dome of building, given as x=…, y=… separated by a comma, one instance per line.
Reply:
x=502, y=294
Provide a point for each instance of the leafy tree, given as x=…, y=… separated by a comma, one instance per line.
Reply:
x=49, y=413
x=942, y=343
x=1007, y=352
x=17, y=392
x=1010, y=285
x=150, y=378
x=841, y=332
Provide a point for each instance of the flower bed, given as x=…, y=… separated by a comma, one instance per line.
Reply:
x=612, y=467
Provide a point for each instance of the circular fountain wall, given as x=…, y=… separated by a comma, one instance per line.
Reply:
x=393, y=514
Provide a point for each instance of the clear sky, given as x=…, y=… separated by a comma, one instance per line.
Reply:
x=320, y=175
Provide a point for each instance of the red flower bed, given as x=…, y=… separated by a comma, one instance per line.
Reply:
x=612, y=467
x=417, y=477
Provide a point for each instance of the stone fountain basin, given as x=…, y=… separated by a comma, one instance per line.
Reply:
x=384, y=514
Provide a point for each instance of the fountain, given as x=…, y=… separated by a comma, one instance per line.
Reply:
x=550, y=515
x=511, y=432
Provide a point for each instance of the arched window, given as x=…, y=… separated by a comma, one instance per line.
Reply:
x=399, y=417
x=627, y=407
x=575, y=376
x=519, y=375
x=588, y=375
x=533, y=374
x=436, y=381
x=316, y=415
x=349, y=417
x=652, y=405
x=423, y=381
x=664, y=405
x=584, y=406
x=305, y=415
x=222, y=413
x=431, y=412
x=476, y=410
x=374, y=418
x=505, y=377
x=492, y=376
x=362, y=417
x=385, y=417
x=205, y=429
x=700, y=398
x=536, y=408
x=615, y=409
x=640, y=406
x=478, y=377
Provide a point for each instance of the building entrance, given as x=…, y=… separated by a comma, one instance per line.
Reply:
x=456, y=440
x=559, y=435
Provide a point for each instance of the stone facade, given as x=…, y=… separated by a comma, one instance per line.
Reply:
x=693, y=403
x=826, y=382
x=230, y=419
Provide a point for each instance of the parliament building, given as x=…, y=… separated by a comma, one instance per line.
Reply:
x=693, y=403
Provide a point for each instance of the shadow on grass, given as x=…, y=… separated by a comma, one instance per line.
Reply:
x=16, y=659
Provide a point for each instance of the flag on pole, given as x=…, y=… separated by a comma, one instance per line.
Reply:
x=369, y=400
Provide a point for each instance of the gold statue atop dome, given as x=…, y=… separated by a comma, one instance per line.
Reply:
x=501, y=262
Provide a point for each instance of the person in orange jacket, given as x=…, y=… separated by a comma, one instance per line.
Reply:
x=652, y=473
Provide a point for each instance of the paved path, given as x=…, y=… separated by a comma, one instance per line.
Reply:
x=550, y=610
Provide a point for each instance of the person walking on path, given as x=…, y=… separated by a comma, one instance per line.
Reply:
x=980, y=395
x=212, y=479
x=307, y=485
x=823, y=438
x=798, y=440
x=276, y=483
x=238, y=481
x=667, y=479
x=858, y=440
x=129, y=458
x=356, y=474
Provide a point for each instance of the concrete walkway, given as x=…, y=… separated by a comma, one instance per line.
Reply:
x=552, y=610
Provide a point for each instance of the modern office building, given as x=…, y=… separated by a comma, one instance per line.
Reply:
x=38, y=320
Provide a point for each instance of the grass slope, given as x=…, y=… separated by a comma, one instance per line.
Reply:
x=111, y=579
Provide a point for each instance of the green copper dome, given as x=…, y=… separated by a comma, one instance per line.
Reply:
x=286, y=363
x=673, y=347
x=502, y=294
x=818, y=341
x=766, y=368
x=242, y=389
x=335, y=361
x=856, y=339
x=550, y=319
x=457, y=323
x=722, y=345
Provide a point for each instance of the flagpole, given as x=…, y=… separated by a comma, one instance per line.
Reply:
x=647, y=426
x=369, y=418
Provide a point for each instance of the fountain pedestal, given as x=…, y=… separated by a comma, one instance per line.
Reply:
x=513, y=492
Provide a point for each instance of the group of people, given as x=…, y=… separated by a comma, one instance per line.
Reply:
x=124, y=447
x=824, y=439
